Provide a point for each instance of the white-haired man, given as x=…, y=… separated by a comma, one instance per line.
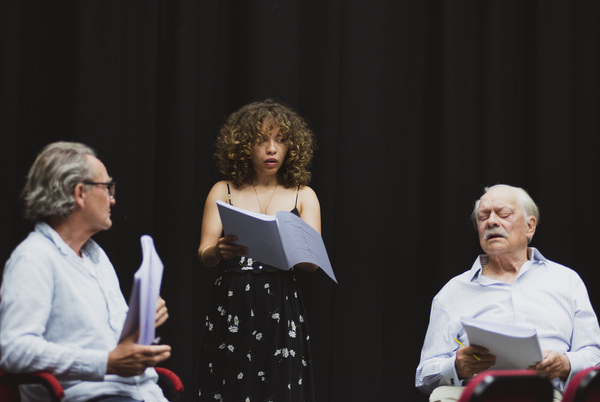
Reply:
x=61, y=307
x=510, y=283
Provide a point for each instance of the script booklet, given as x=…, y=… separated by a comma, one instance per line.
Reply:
x=144, y=295
x=282, y=241
x=515, y=346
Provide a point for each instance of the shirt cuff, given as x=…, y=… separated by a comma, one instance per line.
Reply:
x=576, y=365
x=449, y=374
x=93, y=365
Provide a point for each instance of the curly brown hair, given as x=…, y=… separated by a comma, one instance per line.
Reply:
x=243, y=130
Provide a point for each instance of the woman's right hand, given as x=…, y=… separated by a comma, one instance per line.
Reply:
x=226, y=249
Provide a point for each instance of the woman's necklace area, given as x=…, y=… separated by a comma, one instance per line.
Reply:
x=264, y=211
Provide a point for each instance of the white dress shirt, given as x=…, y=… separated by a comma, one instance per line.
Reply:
x=545, y=295
x=63, y=313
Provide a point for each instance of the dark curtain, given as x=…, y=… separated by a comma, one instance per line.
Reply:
x=417, y=105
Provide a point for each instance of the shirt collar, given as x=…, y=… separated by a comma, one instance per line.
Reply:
x=90, y=246
x=534, y=256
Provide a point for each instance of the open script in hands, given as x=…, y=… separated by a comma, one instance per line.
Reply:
x=282, y=241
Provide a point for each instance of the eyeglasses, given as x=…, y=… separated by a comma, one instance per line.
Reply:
x=111, y=186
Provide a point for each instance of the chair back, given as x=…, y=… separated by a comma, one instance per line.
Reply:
x=508, y=385
x=9, y=385
x=9, y=393
x=170, y=384
x=584, y=386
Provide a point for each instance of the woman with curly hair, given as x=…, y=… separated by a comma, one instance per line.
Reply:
x=256, y=344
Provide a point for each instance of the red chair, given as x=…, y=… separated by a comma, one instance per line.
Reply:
x=508, y=385
x=170, y=383
x=9, y=390
x=9, y=385
x=584, y=386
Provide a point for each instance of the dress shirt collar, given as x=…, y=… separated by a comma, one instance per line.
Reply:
x=90, y=247
x=533, y=253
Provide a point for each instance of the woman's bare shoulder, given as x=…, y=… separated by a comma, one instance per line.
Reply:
x=219, y=191
x=307, y=191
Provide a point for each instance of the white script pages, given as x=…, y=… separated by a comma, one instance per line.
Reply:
x=282, y=241
x=144, y=295
x=515, y=346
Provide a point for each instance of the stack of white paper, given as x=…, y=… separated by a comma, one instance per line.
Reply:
x=144, y=294
x=515, y=346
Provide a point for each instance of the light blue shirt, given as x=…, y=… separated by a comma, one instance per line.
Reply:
x=545, y=295
x=63, y=313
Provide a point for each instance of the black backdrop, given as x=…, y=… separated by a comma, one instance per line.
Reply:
x=416, y=105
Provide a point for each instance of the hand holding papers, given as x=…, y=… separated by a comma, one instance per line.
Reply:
x=282, y=241
x=144, y=295
x=515, y=346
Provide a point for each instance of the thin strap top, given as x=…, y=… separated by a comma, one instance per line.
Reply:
x=294, y=211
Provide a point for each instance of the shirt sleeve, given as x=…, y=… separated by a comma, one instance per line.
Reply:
x=26, y=301
x=436, y=367
x=585, y=344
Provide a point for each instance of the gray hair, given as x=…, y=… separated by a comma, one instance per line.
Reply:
x=58, y=168
x=525, y=201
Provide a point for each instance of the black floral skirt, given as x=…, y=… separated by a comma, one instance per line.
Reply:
x=256, y=343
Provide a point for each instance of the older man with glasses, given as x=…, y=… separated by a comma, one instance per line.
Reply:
x=61, y=307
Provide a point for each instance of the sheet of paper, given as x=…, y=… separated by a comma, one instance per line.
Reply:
x=302, y=243
x=515, y=346
x=258, y=232
x=144, y=294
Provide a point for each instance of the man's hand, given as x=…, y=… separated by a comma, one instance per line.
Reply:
x=554, y=365
x=161, y=312
x=468, y=365
x=129, y=359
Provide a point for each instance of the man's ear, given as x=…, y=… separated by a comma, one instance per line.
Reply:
x=79, y=193
x=531, y=226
